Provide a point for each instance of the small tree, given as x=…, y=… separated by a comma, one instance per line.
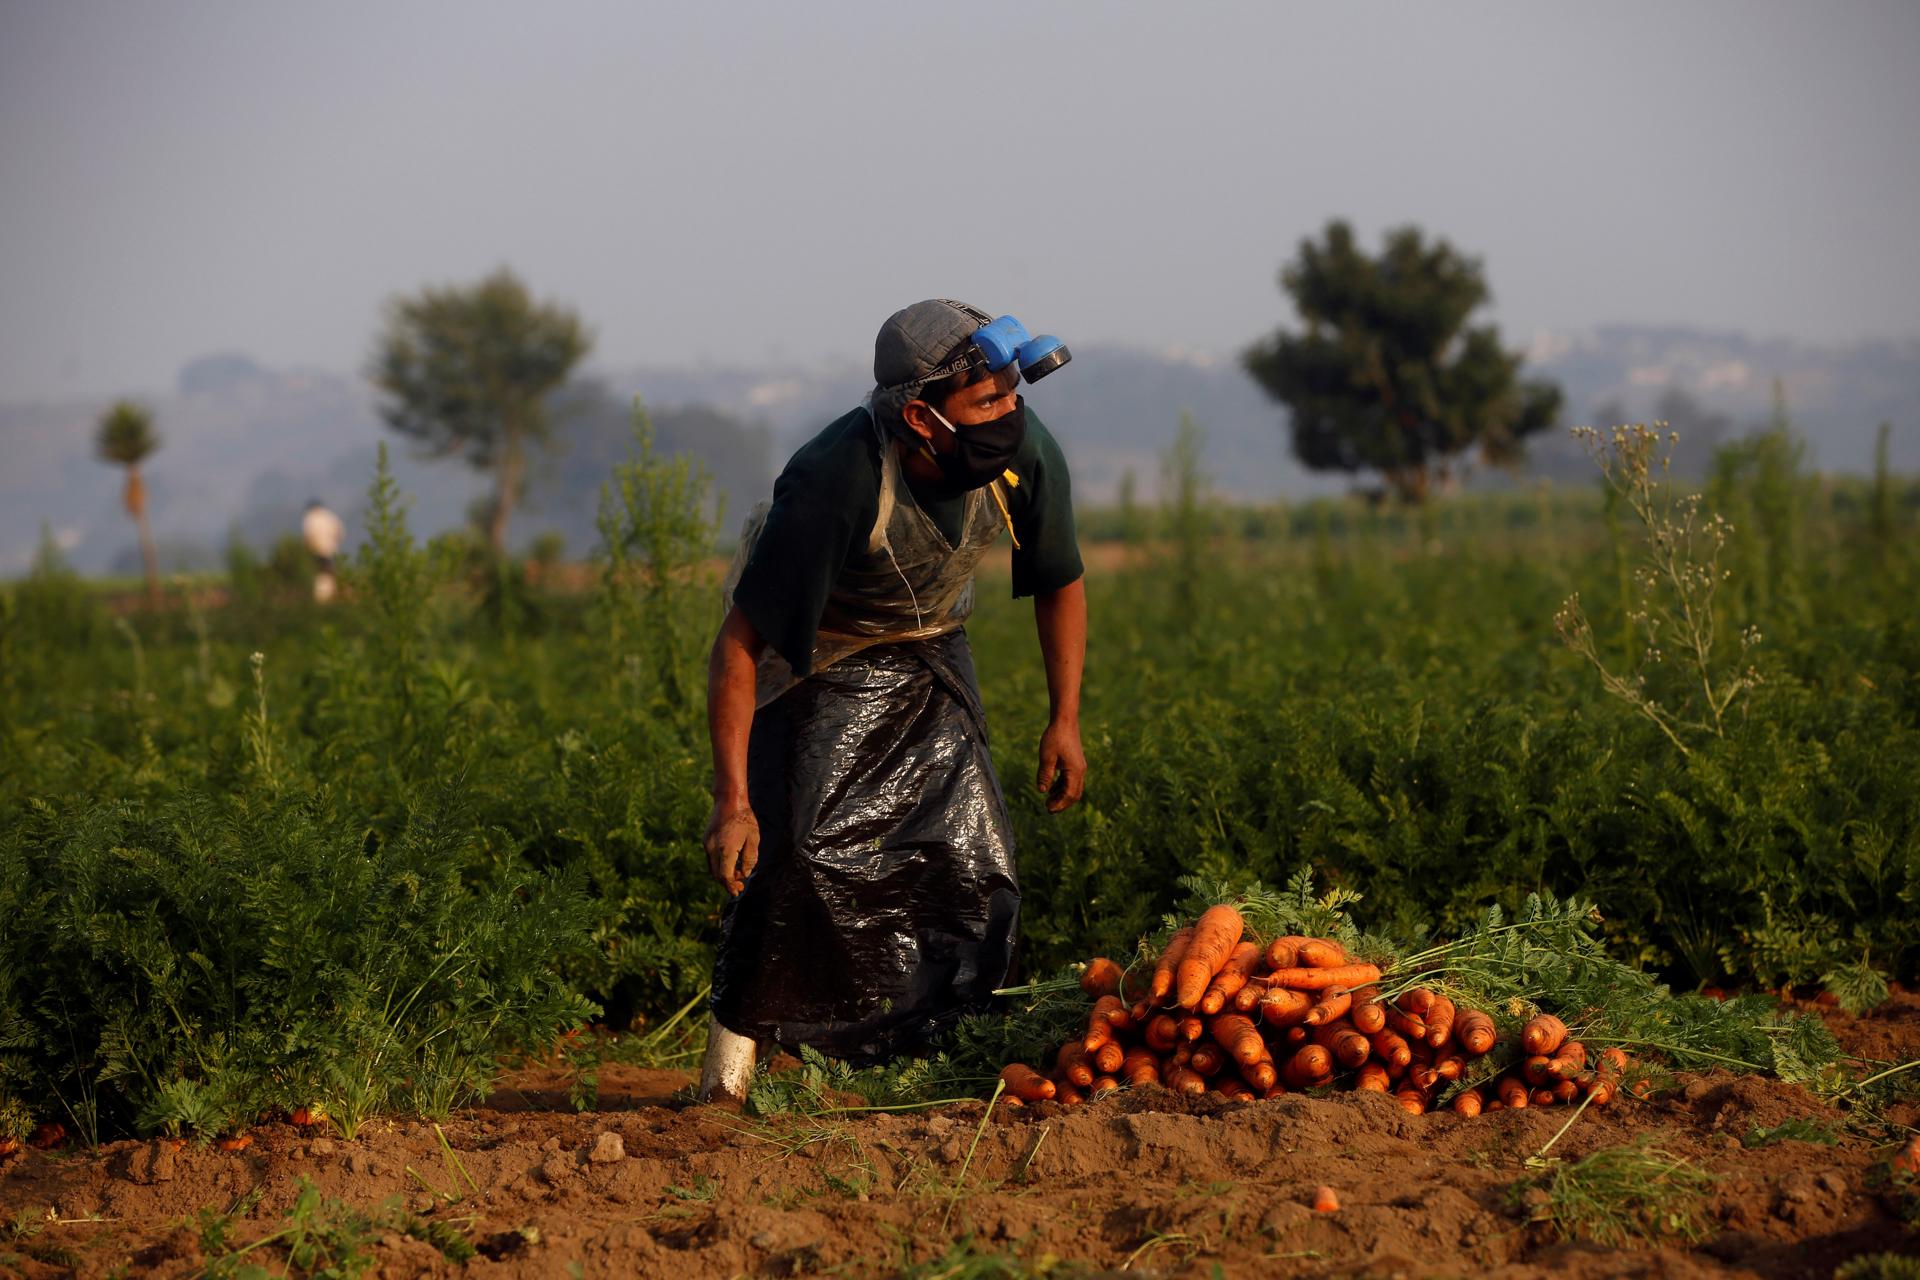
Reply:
x=468, y=370
x=1388, y=377
x=126, y=438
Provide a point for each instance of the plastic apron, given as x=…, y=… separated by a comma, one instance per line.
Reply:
x=884, y=903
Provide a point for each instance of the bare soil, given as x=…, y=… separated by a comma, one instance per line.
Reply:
x=1142, y=1180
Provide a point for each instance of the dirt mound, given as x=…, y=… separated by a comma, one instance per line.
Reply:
x=1888, y=1033
x=1145, y=1179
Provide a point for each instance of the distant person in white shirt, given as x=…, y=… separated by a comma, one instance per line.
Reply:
x=323, y=533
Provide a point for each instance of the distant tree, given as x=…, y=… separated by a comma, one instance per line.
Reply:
x=1388, y=376
x=126, y=438
x=469, y=370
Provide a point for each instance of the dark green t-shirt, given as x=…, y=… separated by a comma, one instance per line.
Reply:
x=828, y=496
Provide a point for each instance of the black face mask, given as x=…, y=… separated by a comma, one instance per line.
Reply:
x=980, y=451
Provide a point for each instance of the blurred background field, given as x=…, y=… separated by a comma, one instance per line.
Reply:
x=244, y=832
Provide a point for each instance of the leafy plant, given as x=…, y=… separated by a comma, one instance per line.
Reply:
x=656, y=523
x=1857, y=987
x=320, y=1238
x=1794, y=1129
x=965, y=1259
x=1674, y=607
x=1879, y=1266
x=1625, y=1195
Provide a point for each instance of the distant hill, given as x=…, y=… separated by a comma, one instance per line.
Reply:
x=246, y=446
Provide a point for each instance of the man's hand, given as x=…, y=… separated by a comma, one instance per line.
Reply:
x=1063, y=765
x=733, y=845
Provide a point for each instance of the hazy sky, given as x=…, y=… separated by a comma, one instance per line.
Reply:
x=766, y=181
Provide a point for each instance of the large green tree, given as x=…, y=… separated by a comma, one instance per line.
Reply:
x=1388, y=375
x=125, y=437
x=468, y=370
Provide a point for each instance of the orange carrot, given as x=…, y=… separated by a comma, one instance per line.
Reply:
x=1494, y=1104
x=1565, y=1091
x=1169, y=962
x=1392, y=1048
x=1108, y=1057
x=1192, y=1027
x=1325, y=1201
x=1236, y=1033
x=1247, y=998
x=1233, y=1090
x=1513, y=1093
x=1346, y=975
x=1412, y=1101
x=1332, y=1007
x=1107, y=1016
x=1321, y=953
x=48, y=1135
x=1368, y=1014
x=1215, y=935
x=1026, y=1084
x=1140, y=1068
x=1423, y=1076
x=1348, y=1047
x=1102, y=1084
x=1284, y=952
x=1232, y=976
x=1162, y=1033
x=1538, y=1069
x=1467, y=1103
x=1450, y=1065
x=235, y=1142
x=1208, y=1059
x=1569, y=1061
x=1543, y=1035
x=1185, y=1080
x=1906, y=1161
x=1372, y=1078
x=1309, y=1068
x=1071, y=1064
x=1542, y=1097
x=1416, y=1000
x=1284, y=1007
x=1262, y=1075
x=1068, y=1096
x=1298, y=1034
x=1439, y=1017
x=1600, y=1089
x=1410, y=1025
x=1474, y=1031
x=1135, y=983
x=1101, y=977
x=1615, y=1058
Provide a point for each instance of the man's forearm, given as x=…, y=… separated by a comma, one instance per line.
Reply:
x=1061, y=617
x=730, y=690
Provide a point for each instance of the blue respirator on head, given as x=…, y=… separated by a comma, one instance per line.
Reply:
x=1006, y=340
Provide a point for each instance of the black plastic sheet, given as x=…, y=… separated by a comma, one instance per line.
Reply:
x=884, y=904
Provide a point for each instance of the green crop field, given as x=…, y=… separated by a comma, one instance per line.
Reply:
x=255, y=853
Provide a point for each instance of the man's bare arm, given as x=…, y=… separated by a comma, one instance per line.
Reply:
x=733, y=835
x=1061, y=618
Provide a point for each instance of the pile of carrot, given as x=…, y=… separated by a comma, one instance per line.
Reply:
x=1219, y=1013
